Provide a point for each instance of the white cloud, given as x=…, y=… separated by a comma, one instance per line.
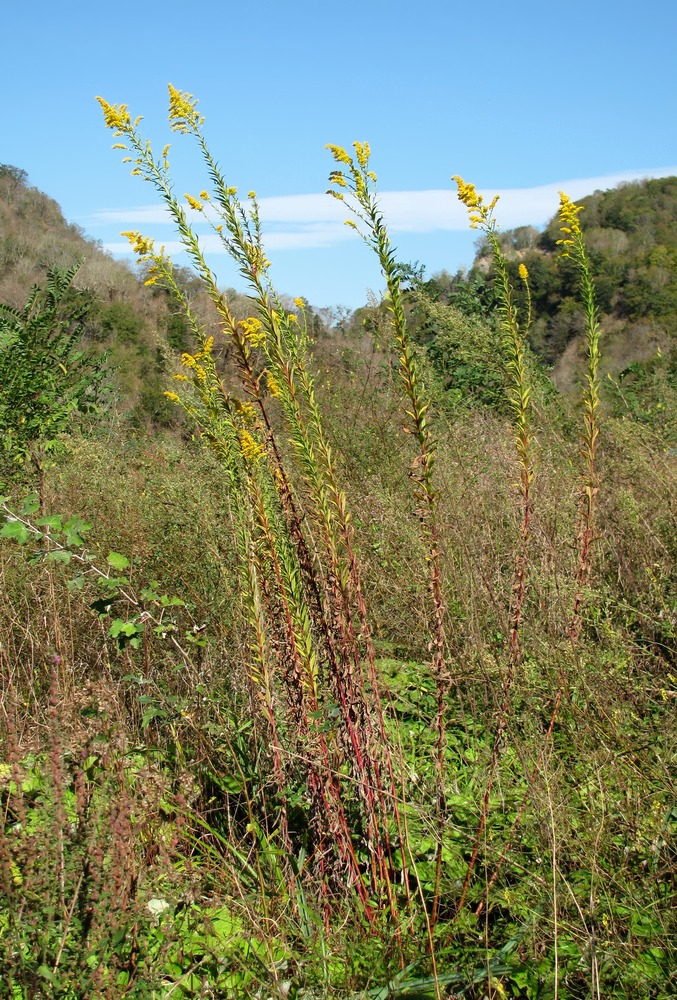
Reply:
x=311, y=221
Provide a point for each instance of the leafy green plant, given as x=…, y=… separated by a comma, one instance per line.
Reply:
x=47, y=377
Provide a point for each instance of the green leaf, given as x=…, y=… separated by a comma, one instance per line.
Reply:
x=117, y=560
x=15, y=530
x=152, y=712
x=31, y=505
x=171, y=602
x=120, y=627
x=59, y=555
x=52, y=521
x=75, y=527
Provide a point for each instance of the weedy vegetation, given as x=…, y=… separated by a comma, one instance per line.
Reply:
x=343, y=688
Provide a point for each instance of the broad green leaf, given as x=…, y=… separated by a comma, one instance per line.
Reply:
x=31, y=505
x=52, y=521
x=117, y=560
x=75, y=527
x=59, y=555
x=15, y=530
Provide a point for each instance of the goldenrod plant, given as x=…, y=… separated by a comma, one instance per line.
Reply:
x=300, y=577
x=354, y=184
x=573, y=247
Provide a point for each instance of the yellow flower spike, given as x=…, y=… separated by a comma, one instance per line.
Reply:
x=250, y=449
x=479, y=213
x=180, y=378
x=143, y=246
x=339, y=154
x=172, y=395
x=568, y=213
x=523, y=272
x=362, y=152
x=571, y=227
x=118, y=145
x=252, y=195
x=231, y=191
x=299, y=303
x=116, y=116
x=252, y=331
x=349, y=222
x=194, y=203
x=204, y=195
x=336, y=177
x=273, y=386
x=183, y=116
x=247, y=410
x=188, y=360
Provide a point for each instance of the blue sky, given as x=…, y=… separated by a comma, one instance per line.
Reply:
x=520, y=98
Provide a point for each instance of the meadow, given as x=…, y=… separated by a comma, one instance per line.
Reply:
x=333, y=689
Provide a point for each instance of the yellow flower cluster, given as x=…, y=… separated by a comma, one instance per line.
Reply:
x=250, y=449
x=252, y=331
x=173, y=396
x=362, y=152
x=339, y=154
x=193, y=202
x=568, y=213
x=188, y=360
x=116, y=116
x=336, y=177
x=479, y=213
x=183, y=116
x=273, y=386
x=523, y=272
x=257, y=259
x=206, y=350
x=299, y=303
x=143, y=246
x=246, y=410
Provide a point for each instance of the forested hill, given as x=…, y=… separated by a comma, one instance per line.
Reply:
x=631, y=234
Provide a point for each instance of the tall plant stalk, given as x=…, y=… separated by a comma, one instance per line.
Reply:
x=573, y=246
x=519, y=391
x=358, y=182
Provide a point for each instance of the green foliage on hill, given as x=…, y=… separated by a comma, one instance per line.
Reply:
x=631, y=233
x=46, y=379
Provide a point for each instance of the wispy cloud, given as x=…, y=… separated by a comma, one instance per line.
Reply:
x=313, y=221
